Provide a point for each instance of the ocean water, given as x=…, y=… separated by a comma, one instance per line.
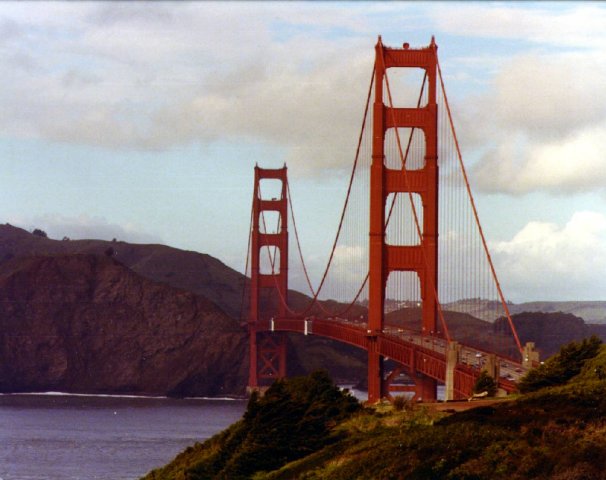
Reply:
x=67, y=437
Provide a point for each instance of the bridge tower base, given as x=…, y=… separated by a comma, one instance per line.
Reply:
x=530, y=357
x=426, y=389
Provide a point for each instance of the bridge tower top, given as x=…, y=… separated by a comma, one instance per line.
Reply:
x=274, y=245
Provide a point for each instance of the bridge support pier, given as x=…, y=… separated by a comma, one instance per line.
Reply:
x=271, y=355
x=531, y=356
x=452, y=358
x=492, y=366
x=375, y=373
x=426, y=388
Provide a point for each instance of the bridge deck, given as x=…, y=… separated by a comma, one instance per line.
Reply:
x=416, y=353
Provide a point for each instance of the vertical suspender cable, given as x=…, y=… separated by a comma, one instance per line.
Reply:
x=475, y=213
x=334, y=246
x=247, y=261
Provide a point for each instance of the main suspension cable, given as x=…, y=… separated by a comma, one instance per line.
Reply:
x=250, y=231
x=314, y=300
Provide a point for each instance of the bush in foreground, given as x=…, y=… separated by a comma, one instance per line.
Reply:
x=552, y=433
x=563, y=366
x=485, y=383
x=294, y=418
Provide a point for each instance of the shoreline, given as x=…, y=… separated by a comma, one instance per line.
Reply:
x=111, y=395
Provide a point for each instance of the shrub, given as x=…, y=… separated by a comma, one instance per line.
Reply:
x=485, y=383
x=293, y=419
x=399, y=403
x=563, y=366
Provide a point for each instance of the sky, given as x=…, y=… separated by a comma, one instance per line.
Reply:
x=143, y=121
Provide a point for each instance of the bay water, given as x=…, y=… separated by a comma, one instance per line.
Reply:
x=73, y=437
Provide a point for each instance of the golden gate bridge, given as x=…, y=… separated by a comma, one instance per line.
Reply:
x=409, y=261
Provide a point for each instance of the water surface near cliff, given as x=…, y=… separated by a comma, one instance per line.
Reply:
x=52, y=437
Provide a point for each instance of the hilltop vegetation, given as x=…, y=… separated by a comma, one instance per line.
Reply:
x=293, y=419
x=562, y=367
x=556, y=432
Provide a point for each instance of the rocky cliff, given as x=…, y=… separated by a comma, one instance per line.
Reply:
x=87, y=323
x=169, y=270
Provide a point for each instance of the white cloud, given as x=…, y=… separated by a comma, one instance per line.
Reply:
x=542, y=126
x=540, y=116
x=580, y=24
x=544, y=261
x=346, y=275
x=315, y=115
x=349, y=253
x=573, y=164
x=155, y=75
x=550, y=95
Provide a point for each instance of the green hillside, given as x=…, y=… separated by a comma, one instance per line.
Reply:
x=557, y=433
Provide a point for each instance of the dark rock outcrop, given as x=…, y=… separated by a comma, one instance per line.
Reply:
x=549, y=331
x=86, y=323
x=198, y=273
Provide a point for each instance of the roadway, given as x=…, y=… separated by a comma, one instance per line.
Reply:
x=427, y=354
x=472, y=357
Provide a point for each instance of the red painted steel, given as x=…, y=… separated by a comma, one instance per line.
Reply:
x=267, y=353
x=384, y=258
x=272, y=352
x=425, y=366
x=423, y=358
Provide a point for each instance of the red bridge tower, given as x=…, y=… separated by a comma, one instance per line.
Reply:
x=268, y=289
x=384, y=258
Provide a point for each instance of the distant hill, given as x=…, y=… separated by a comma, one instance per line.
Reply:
x=86, y=323
x=172, y=270
x=549, y=331
x=70, y=277
x=593, y=312
x=590, y=311
x=196, y=272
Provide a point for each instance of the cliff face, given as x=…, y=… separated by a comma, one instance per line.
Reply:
x=195, y=272
x=86, y=323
